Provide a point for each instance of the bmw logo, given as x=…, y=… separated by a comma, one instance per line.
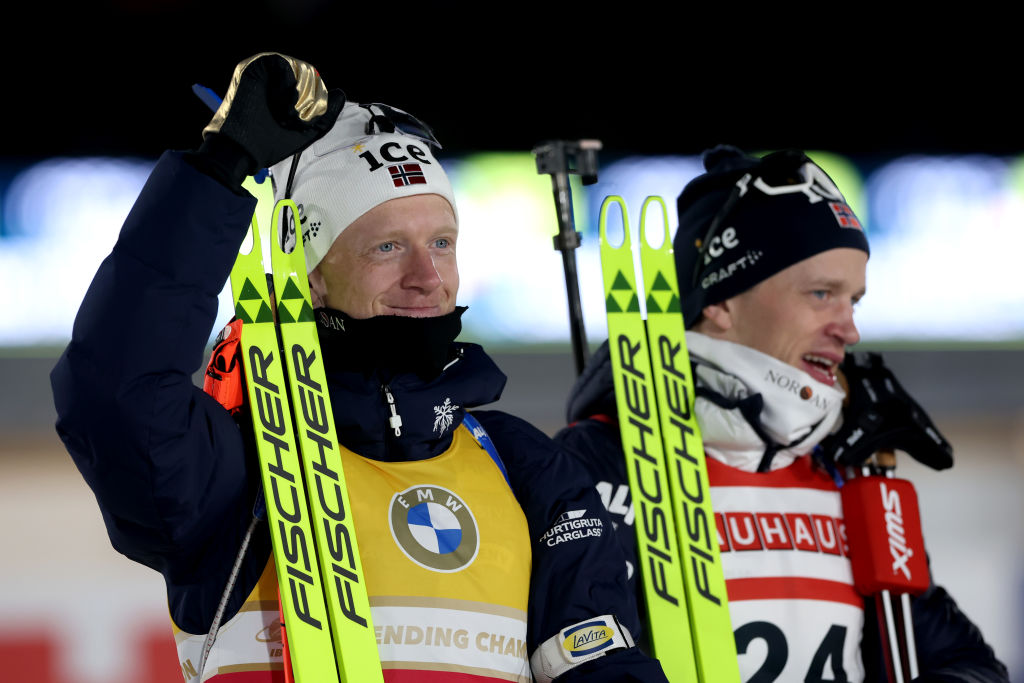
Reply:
x=434, y=528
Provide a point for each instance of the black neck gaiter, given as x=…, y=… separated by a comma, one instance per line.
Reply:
x=389, y=344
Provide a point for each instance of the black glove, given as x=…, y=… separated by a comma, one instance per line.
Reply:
x=880, y=415
x=275, y=106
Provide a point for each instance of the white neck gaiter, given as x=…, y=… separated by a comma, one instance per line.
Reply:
x=797, y=413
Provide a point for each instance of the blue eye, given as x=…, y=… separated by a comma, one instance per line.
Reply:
x=820, y=294
x=387, y=246
x=442, y=243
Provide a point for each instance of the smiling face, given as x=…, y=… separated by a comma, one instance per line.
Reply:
x=396, y=259
x=802, y=315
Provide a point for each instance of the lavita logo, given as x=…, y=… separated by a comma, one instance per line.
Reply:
x=585, y=639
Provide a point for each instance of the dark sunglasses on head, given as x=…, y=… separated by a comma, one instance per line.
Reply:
x=781, y=173
x=387, y=119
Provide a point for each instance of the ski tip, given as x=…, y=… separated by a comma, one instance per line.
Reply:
x=662, y=232
x=603, y=221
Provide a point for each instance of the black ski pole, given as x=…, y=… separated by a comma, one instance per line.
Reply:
x=559, y=159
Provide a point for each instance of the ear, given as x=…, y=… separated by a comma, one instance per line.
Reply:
x=717, y=319
x=317, y=288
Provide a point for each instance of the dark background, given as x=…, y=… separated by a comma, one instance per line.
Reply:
x=114, y=78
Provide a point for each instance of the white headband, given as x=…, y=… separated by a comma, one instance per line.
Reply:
x=367, y=158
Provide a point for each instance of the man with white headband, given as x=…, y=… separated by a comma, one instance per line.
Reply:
x=175, y=473
x=771, y=261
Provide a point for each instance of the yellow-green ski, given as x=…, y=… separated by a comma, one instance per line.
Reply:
x=323, y=594
x=291, y=531
x=348, y=605
x=706, y=599
x=636, y=400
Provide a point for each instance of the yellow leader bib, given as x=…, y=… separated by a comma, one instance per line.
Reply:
x=446, y=553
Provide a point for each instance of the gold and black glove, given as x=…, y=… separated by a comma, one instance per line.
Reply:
x=275, y=106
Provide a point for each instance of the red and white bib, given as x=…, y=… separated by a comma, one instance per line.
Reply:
x=794, y=610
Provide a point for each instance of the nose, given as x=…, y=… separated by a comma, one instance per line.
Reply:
x=843, y=328
x=420, y=272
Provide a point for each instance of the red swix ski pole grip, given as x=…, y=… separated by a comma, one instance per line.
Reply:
x=883, y=527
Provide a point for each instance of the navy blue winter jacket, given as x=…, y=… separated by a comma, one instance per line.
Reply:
x=170, y=467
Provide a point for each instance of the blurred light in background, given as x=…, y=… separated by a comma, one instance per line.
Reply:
x=945, y=236
x=509, y=274
x=60, y=219
x=946, y=252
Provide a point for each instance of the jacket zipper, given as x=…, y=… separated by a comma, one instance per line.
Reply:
x=395, y=420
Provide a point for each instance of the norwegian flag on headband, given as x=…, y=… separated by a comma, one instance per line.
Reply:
x=407, y=174
x=844, y=215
